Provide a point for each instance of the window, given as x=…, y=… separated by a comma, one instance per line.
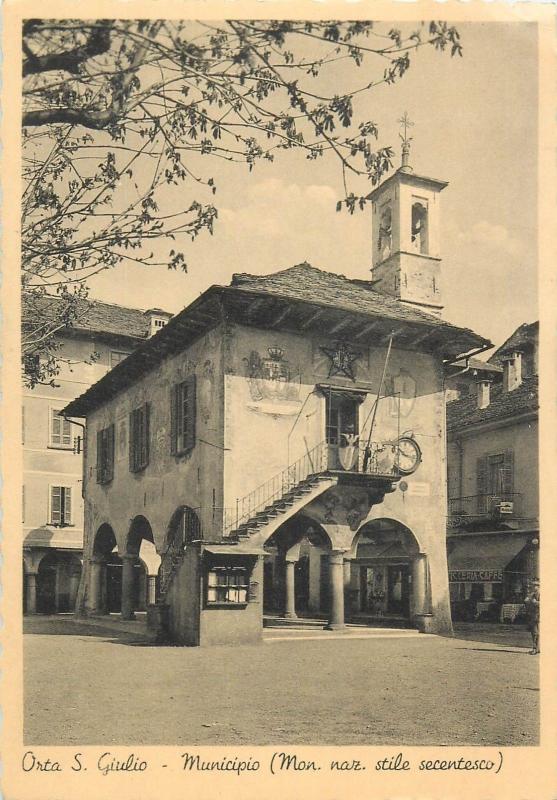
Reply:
x=159, y=323
x=342, y=412
x=105, y=455
x=183, y=416
x=419, y=228
x=117, y=356
x=60, y=505
x=139, y=438
x=494, y=478
x=60, y=430
x=227, y=585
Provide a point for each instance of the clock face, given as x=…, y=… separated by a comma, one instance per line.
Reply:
x=409, y=455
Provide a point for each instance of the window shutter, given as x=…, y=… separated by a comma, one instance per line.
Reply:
x=146, y=418
x=55, y=428
x=67, y=505
x=131, y=442
x=174, y=419
x=507, y=478
x=66, y=431
x=100, y=456
x=481, y=482
x=189, y=423
x=110, y=453
x=55, y=505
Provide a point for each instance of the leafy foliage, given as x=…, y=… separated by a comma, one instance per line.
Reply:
x=117, y=112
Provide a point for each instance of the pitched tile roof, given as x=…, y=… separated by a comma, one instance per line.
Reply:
x=304, y=282
x=94, y=316
x=503, y=405
x=476, y=364
x=524, y=337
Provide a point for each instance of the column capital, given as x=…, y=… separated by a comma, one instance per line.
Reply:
x=129, y=557
x=337, y=556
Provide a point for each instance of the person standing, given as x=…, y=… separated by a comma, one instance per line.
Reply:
x=532, y=603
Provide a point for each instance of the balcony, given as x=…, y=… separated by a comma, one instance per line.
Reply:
x=378, y=459
x=478, y=508
x=372, y=463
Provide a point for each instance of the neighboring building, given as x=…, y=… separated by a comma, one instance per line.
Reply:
x=493, y=534
x=255, y=444
x=52, y=515
x=465, y=374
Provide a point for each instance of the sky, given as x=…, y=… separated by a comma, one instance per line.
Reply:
x=475, y=126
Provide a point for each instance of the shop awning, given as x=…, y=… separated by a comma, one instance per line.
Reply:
x=478, y=558
x=54, y=537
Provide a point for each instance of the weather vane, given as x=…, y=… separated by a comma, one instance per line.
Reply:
x=405, y=120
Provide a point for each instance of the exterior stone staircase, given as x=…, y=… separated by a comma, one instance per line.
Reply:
x=263, y=523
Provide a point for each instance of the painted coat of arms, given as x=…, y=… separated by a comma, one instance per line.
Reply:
x=271, y=378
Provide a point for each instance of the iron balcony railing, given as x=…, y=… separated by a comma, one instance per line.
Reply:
x=379, y=459
x=484, y=506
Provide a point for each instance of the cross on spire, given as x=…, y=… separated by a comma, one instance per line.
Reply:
x=405, y=122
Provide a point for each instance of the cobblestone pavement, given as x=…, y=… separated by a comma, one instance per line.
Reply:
x=91, y=686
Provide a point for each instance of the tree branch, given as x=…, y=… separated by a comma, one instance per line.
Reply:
x=68, y=60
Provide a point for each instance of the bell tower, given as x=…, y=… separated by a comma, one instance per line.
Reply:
x=406, y=259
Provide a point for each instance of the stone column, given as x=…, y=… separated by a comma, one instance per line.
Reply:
x=348, y=593
x=73, y=589
x=419, y=584
x=31, y=592
x=336, y=578
x=95, y=584
x=128, y=562
x=151, y=589
x=290, y=608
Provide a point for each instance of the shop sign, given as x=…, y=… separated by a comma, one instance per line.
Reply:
x=476, y=575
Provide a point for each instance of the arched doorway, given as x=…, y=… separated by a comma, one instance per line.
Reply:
x=383, y=555
x=296, y=570
x=102, y=581
x=57, y=582
x=134, y=582
x=114, y=568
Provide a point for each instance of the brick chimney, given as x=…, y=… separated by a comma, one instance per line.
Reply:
x=512, y=371
x=483, y=396
x=157, y=319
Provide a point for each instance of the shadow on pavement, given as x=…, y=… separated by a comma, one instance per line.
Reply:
x=68, y=627
x=495, y=650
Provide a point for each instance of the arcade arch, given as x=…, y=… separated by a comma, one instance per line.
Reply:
x=389, y=575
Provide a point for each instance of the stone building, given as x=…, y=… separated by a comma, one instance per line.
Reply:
x=52, y=513
x=281, y=444
x=493, y=533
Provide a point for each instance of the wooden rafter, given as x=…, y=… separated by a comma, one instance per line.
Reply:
x=367, y=329
x=280, y=317
x=312, y=318
x=341, y=324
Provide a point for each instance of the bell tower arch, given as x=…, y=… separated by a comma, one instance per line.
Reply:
x=406, y=259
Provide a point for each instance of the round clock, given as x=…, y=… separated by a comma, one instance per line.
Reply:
x=409, y=455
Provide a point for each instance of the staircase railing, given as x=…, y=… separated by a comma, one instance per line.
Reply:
x=313, y=462
x=380, y=459
x=187, y=532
